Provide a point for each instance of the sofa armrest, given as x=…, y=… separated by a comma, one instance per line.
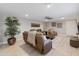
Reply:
x=25, y=35
x=39, y=43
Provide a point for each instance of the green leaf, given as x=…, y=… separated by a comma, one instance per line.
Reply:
x=12, y=26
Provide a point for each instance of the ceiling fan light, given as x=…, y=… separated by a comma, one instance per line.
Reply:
x=26, y=15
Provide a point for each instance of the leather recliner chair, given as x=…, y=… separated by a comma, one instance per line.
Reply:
x=51, y=33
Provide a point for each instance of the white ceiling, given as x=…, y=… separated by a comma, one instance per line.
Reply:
x=38, y=11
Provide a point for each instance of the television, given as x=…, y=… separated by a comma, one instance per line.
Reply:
x=35, y=25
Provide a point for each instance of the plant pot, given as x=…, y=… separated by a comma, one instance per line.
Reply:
x=11, y=41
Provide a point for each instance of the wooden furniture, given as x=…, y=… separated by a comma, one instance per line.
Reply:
x=74, y=42
x=41, y=45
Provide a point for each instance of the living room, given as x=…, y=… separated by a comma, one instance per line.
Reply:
x=60, y=18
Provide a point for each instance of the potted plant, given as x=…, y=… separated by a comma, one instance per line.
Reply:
x=12, y=29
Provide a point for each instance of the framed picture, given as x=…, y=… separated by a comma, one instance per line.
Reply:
x=35, y=25
x=59, y=25
x=53, y=24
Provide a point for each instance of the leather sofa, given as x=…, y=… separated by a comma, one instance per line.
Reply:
x=42, y=45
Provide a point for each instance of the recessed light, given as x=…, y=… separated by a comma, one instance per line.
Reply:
x=62, y=18
x=48, y=6
x=26, y=15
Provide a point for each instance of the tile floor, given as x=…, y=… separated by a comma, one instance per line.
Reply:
x=61, y=47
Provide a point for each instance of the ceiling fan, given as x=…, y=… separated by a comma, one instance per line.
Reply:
x=48, y=17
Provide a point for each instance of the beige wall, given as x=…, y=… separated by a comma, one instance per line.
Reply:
x=25, y=25
x=71, y=27
x=68, y=27
x=59, y=30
